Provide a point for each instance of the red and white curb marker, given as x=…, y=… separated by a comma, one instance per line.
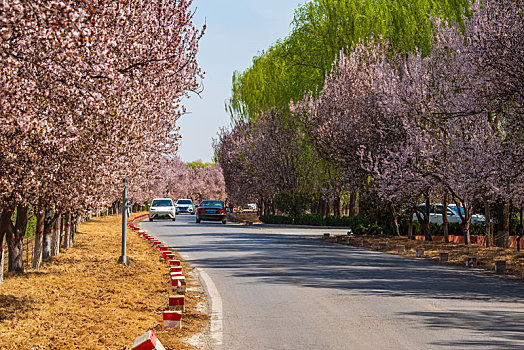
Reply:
x=177, y=302
x=382, y=245
x=365, y=243
x=163, y=248
x=178, y=283
x=419, y=252
x=174, y=262
x=401, y=248
x=170, y=256
x=175, y=274
x=173, y=319
x=443, y=256
x=175, y=269
x=165, y=254
x=147, y=341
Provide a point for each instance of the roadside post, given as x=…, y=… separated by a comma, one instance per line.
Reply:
x=123, y=259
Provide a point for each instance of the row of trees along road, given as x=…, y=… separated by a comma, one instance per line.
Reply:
x=90, y=93
x=391, y=103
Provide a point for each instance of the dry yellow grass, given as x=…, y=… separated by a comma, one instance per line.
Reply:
x=83, y=299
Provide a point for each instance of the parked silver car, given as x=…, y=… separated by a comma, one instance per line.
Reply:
x=435, y=214
x=162, y=208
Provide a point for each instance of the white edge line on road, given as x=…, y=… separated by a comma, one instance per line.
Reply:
x=216, y=330
x=216, y=307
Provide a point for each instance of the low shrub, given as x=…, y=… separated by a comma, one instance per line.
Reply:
x=310, y=219
x=292, y=202
x=360, y=225
x=276, y=219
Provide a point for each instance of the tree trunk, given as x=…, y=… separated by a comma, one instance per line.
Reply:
x=314, y=207
x=353, y=203
x=467, y=233
x=2, y=254
x=62, y=231
x=502, y=238
x=394, y=217
x=445, y=225
x=39, y=238
x=55, y=242
x=67, y=230
x=521, y=227
x=321, y=206
x=48, y=234
x=267, y=208
x=410, y=224
x=337, y=208
x=15, y=237
x=328, y=208
x=75, y=221
x=488, y=228
x=425, y=222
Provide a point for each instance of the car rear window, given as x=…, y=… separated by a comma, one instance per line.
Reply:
x=184, y=201
x=162, y=203
x=217, y=204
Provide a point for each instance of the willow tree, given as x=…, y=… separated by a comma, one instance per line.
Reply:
x=322, y=30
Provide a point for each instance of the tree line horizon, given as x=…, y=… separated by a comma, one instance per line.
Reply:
x=386, y=104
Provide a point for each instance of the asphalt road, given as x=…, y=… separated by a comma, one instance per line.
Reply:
x=277, y=289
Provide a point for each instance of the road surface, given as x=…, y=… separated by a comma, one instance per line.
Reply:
x=276, y=288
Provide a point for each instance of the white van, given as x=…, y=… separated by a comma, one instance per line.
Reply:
x=435, y=214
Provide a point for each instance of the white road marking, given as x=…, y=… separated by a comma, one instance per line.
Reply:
x=216, y=307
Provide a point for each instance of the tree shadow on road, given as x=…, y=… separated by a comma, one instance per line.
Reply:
x=504, y=327
x=294, y=260
x=281, y=259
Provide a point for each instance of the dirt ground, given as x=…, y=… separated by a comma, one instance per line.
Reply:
x=457, y=252
x=241, y=217
x=83, y=299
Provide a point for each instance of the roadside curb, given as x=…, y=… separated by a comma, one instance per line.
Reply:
x=304, y=226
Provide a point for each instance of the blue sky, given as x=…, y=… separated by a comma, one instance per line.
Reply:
x=236, y=31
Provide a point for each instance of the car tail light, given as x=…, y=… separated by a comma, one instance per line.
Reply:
x=221, y=211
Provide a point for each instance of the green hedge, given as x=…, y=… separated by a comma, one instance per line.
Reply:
x=360, y=225
x=276, y=219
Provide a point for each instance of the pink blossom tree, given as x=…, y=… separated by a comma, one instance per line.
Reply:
x=84, y=86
